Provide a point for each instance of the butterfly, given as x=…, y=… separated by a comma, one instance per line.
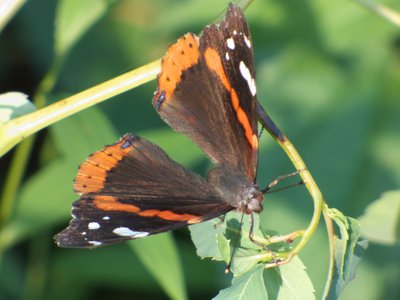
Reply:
x=206, y=91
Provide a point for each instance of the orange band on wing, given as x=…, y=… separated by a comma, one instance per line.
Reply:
x=110, y=203
x=166, y=215
x=214, y=63
x=93, y=172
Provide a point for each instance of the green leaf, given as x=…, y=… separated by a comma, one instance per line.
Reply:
x=48, y=193
x=13, y=105
x=348, y=249
x=160, y=256
x=249, y=285
x=83, y=134
x=204, y=238
x=217, y=240
x=381, y=220
x=289, y=281
x=74, y=18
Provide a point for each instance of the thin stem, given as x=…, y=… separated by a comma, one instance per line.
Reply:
x=21, y=155
x=308, y=180
x=18, y=129
x=13, y=179
x=381, y=10
x=331, y=237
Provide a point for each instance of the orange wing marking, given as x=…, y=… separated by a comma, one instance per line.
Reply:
x=180, y=57
x=93, y=172
x=214, y=63
x=110, y=203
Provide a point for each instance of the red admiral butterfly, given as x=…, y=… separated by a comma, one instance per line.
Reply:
x=206, y=90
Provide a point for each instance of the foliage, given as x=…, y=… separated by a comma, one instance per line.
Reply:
x=327, y=72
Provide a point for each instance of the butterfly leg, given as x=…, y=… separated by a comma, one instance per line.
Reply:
x=251, y=237
x=280, y=178
x=220, y=222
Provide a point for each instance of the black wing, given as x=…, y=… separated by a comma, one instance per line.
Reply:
x=132, y=189
x=206, y=90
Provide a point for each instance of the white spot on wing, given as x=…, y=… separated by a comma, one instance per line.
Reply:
x=125, y=231
x=83, y=233
x=94, y=243
x=244, y=70
x=230, y=43
x=247, y=41
x=227, y=56
x=106, y=218
x=235, y=32
x=93, y=225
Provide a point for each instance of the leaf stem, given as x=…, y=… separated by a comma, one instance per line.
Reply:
x=381, y=10
x=307, y=178
x=331, y=237
x=18, y=129
x=21, y=155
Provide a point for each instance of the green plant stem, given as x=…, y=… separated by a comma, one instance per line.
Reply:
x=18, y=129
x=21, y=156
x=314, y=191
x=381, y=10
x=331, y=237
x=37, y=265
x=14, y=178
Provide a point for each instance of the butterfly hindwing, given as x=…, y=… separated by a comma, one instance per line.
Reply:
x=132, y=189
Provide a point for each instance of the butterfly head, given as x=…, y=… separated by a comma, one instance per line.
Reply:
x=236, y=189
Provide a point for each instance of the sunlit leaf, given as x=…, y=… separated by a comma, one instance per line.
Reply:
x=381, y=220
x=289, y=281
x=13, y=105
x=74, y=18
x=160, y=256
x=249, y=285
x=348, y=249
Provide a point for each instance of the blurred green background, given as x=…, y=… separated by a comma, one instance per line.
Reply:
x=328, y=73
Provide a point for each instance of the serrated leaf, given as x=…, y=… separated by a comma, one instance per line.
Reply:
x=289, y=281
x=219, y=241
x=74, y=18
x=160, y=256
x=204, y=238
x=249, y=285
x=381, y=220
x=13, y=105
x=348, y=249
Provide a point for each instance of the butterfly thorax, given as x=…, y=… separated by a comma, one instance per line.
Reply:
x=236, y=189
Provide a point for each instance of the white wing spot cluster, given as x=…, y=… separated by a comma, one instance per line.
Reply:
x=244, y=70
x=125, y=231
x=94, y=243
x=230, y=43
x=247, y=41
x=93, y=225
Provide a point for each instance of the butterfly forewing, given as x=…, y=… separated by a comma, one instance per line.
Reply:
x=206, y=90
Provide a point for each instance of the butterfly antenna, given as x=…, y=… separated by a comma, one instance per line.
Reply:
x=280, y=178
x=261, y=132
x=228, y=267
